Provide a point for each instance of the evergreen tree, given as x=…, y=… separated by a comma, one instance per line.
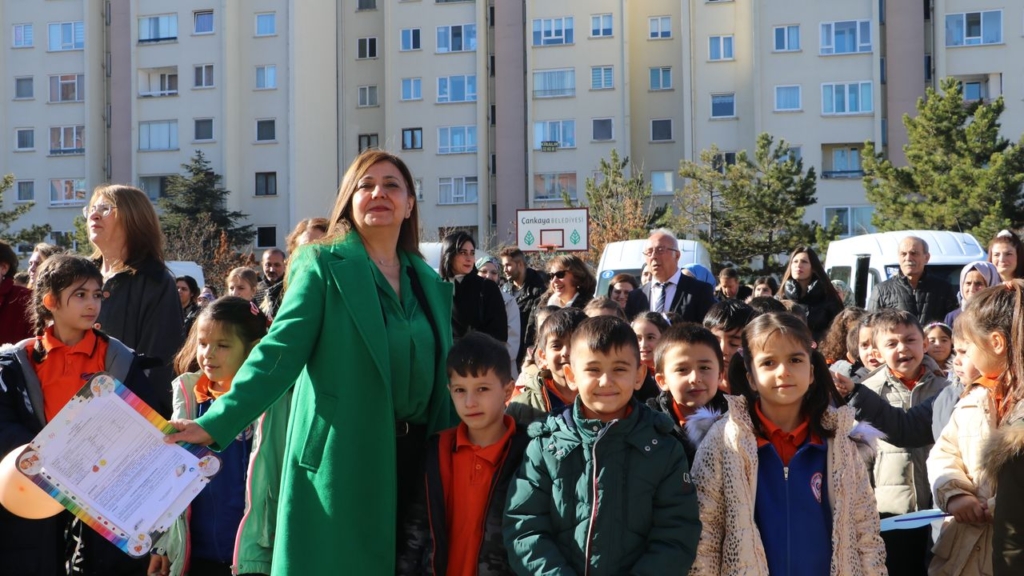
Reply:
x=751, y=209
x=961, y=174
x=620, y=206
x=199, y=193
x=31, y=235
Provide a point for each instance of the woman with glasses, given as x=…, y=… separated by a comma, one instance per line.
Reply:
x=141, y=308
x=478, y=305
x=571, y=283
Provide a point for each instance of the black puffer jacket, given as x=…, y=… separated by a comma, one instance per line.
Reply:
x=930, y=301
x=663, y=403
x=534, y=286
x=478, y=306
x=822, y=307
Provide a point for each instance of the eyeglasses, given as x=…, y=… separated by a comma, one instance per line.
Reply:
x=658, y=250
x=559, y=274
x=470, y=253
x=101, y=209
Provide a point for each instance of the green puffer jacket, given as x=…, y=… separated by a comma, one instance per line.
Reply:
x=597, y=498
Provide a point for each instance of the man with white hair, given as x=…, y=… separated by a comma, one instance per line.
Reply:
x=913, y=290
x=669, y=290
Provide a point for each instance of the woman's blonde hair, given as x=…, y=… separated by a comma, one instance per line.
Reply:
x=144, y=240
x=341, y=215
x=247, y=275
x=292, y=240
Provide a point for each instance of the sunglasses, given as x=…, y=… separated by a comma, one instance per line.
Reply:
x=560, y=274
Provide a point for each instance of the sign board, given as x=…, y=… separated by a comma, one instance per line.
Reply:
x=561, y=229
x=549, y=146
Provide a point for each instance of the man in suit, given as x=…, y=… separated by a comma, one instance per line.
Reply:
x=669, y=290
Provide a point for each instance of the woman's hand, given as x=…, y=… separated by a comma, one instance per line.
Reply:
x=188, y=431
x=158, y=565
x=969, y=509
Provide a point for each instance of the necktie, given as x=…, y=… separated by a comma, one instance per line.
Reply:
x=663, y=287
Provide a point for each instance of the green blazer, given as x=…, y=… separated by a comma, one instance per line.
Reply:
x=337, y=508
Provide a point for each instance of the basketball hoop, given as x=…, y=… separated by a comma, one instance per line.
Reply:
x=549, y=248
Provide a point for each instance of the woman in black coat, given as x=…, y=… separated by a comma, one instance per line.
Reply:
x=478, y=305
x=806, y=283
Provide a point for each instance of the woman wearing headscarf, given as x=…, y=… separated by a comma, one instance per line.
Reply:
x=974, y=278
x=489, y=268
x=700, y=272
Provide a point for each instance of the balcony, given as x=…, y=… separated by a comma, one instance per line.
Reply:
x=839, y=174
x=555, y=93
x=66, y=151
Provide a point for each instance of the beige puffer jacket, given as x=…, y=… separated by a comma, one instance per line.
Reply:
x=725, y=472
x=954, y=468
x=900, y=475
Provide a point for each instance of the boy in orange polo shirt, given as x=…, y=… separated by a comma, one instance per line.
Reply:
x=456, y=531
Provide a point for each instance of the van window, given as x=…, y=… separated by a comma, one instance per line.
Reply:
x=840, y=273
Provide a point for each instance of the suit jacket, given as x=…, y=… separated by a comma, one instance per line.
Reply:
x=692, y=300
x=338, y=501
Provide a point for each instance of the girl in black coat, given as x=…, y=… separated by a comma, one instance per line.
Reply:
x=806, y=283
x=478, y=304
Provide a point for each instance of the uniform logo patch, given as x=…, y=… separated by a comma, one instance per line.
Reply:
x=816, y=486
x=688, y=487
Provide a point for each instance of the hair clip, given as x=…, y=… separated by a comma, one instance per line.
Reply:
x=937, y=325
x=1004, y=234
x=253, y=308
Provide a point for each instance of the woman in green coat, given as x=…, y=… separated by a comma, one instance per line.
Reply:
x=362, y=333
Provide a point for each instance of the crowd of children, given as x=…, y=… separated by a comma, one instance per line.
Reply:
x=652, y=447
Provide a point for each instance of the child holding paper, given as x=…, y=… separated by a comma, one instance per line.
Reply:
x=202, y=541
x=38, y=377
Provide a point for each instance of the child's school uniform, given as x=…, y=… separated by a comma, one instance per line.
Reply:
x=830, y=525
x=596, y=498
x=208, y=528
x=457, y=530
x=31, y=393
x=954, y=468
x=536, y=401
x=665, y=404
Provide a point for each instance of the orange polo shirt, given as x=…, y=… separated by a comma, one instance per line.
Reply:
x=678, y=413
x=786, y=445
x=65, y=369
x=467, y=487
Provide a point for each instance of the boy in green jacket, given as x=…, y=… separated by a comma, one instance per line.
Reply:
x=604, y=488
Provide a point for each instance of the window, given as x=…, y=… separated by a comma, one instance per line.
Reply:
x=723, y=105
x=412, y=88
x=787, y=98
x=266, y=77
x=561, y=131
x=67, y=192
x=266, y=130
x=602, y=129
x=554, y=83
x=367, y=141
x=266, y=236
x=853, y=98
x=410, y=39
x=204, y=76
x=787, y=38
x=549, y=186
x=24, y=88
x=852, y=220
x=412, y=138
x=154, y=186
x=974, y=28
x=662, y=182
x=67, y=88
x=849, y=37
x=601, y=25
x=974, y=91
x=158, y=28
x=366, y=48
x=367, y=96
x=456, y=139
x=66, y=36
x=203, y=129
x=266, y=24
x=661, y=130
x=161, y=135
x=661, y=78
x=721, y=161
x=460, y=38
x=26, y=191
x=552, y=31
x=456, y=88
x=23, y=37
x=720, y=48
x=660, y=27
x=366, y=5
x=266, y=183
x=203, y=22
x=842, y=162
x=601, y=78
x=459, y=190
x=24, y=139
x=67, y=140
x=154, y=82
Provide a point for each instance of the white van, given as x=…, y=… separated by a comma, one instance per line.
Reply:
x=432, y=254
x=627, y=257
x=866, y=260
x=187, y=268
